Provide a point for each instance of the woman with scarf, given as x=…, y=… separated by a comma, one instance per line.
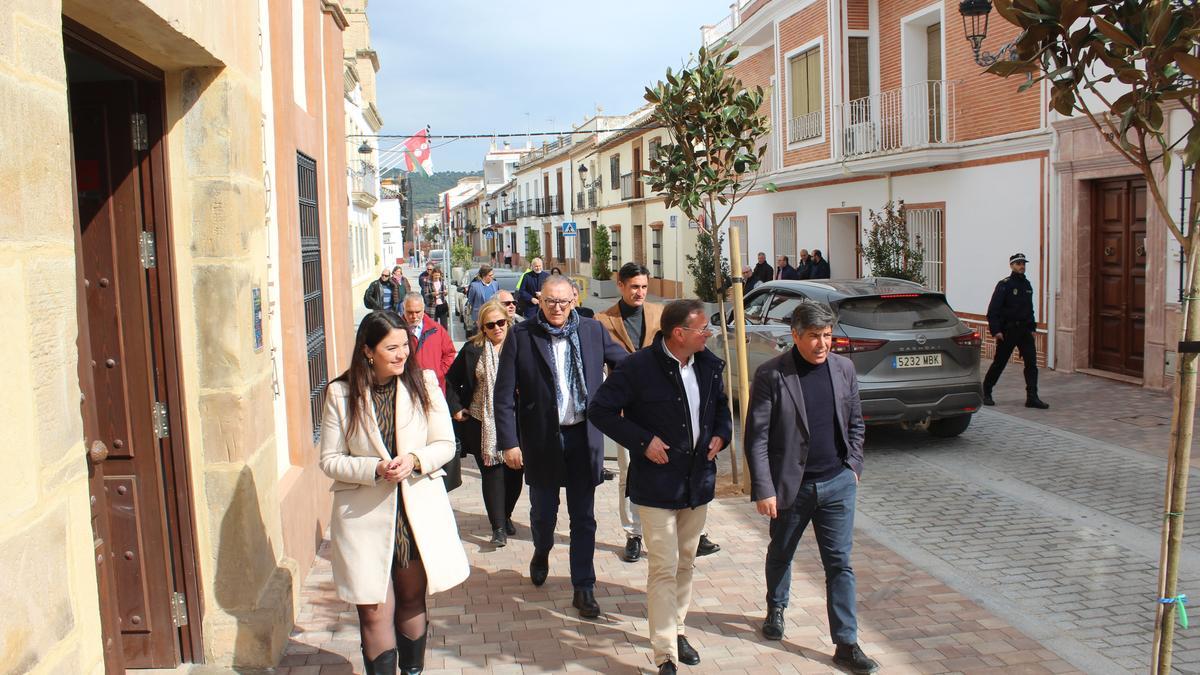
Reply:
x=470, y=384
x=385, y=435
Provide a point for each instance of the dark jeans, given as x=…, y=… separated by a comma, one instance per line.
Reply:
x=1024, y=344
x=829, y=505
x=441, y=314
x=581, y=494
x=501, y=485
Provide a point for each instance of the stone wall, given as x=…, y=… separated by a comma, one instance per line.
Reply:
x=45, y=533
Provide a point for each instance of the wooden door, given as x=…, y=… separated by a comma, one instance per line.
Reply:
x=1119, y=276
x=118, y=365
x=637, y=169
x=933, y=73
x=560, y=207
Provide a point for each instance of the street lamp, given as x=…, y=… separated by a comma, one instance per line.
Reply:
x=975, y=26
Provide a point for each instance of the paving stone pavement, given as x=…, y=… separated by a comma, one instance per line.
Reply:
x=500, y=623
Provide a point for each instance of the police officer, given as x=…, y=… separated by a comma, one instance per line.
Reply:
x=1010, y=320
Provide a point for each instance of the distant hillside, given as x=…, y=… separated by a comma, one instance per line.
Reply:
x=426, y=189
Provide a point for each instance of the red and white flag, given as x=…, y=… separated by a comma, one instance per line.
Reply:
x=416, y=152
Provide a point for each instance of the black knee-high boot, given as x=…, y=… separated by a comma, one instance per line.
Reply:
x=412, y=652
x=384, y=664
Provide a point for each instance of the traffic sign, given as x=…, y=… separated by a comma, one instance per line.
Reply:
x=569, y=228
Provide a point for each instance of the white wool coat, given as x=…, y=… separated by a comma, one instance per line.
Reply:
x=363, y=526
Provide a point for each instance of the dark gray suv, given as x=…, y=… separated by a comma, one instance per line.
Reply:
x=916, y=361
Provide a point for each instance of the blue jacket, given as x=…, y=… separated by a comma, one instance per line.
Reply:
x=532, y=422
x=531, y=284
x=478, y=293
x=644, y=398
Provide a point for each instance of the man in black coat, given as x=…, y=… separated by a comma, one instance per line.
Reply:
x=762, y=270
x=383, y=293
x=556, y=361
x=818, y=266
x=667, y=404
x=784, y=269
x=1011, y=323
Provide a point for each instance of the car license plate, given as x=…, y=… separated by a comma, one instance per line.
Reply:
x=917, y=360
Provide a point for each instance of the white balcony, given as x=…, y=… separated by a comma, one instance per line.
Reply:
x=364, y=184
x=806, y=127
x=908, y=118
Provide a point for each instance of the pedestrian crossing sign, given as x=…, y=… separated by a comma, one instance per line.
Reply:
x=569, y=228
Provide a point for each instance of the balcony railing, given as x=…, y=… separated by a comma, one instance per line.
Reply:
x=578, y=201
x=554, y=206
x=591, y=198
x=364, y=184
x=806, y=127
x=627, y=186
x=911, y=117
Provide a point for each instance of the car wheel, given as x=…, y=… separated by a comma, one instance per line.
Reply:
x=949, y=427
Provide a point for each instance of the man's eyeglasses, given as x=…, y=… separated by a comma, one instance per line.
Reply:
x=498, y=323
x=509, y=303
x=554, y=302
x=703, y=331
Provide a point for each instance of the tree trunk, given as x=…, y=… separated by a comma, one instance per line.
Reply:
x=733, y=446
x=1179, y=465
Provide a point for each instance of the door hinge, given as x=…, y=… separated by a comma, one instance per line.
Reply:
x=146, y=250
x=161, y=427
x=140, y=132
x=179, y=615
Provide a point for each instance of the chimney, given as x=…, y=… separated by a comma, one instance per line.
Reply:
x=735, y=13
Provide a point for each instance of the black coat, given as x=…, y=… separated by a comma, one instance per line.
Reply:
x=763, y=272
x=787, y=272
x=532, y=423
x=644, y=398
x=460, y=379
x=1011, y=308
x=819, y=269
x=373, y=297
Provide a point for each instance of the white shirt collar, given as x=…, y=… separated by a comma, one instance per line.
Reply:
x=690, y=361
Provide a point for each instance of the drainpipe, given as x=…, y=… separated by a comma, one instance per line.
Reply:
x=735, y=14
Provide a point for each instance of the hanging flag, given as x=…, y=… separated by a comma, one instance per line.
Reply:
x=416, y=152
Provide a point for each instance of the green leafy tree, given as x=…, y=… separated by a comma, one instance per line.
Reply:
x=601, y=253
x=1124, y=66
x=533, y=246
x=888, y=250
x=460, y=254
x=706, y=283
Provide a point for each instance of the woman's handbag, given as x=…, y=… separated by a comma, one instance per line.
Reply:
x=453, y=470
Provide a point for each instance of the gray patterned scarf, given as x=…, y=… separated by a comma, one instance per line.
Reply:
x=575, y=378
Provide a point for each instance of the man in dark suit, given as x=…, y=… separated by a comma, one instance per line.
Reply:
x=666, y=403
x=762, y=270
x=818, y=268
x=556, y=361
x=784, y=269
x=804, y=451
x=803, y=264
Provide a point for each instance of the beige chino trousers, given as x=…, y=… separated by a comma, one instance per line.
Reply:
x=671, y=537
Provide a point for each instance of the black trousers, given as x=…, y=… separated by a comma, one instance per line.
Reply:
x=1024, y=344
x=441, y=314
x=502, y=485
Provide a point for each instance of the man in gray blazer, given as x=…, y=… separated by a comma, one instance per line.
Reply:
x=804, y=450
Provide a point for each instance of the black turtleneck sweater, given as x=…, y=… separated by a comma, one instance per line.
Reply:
x=635, y=323
x=825, y=446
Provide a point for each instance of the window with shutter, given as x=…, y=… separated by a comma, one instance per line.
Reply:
x=804, y=85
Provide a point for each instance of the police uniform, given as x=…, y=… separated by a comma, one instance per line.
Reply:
x=1010, y=313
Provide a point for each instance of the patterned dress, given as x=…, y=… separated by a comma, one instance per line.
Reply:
x=383, y=397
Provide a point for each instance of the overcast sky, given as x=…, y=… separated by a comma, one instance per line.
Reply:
x=478, y=66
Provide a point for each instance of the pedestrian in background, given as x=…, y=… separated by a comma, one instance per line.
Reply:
x=762, y=270
x=586, y=312
x=556, y=361
x=403, y=284
x=506, y=299
x=471, y=396
x=819, y=266
x=424, y=277
x=481, y=289
x=803, y=269
x=385, y=435
x=383, y=293
x=529, y=289
x=1011, y=323
x=433, y=351
x=784, y=269
x=434, y=292
x=804, y=452
x=667, y=404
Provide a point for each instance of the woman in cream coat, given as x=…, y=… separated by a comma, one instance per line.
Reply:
x=393, y=531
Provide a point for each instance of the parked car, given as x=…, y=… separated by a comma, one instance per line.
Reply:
x=439, y=257
x=917, y=362
x=506, y=278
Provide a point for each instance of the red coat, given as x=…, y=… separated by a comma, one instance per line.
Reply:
x=435, y=351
